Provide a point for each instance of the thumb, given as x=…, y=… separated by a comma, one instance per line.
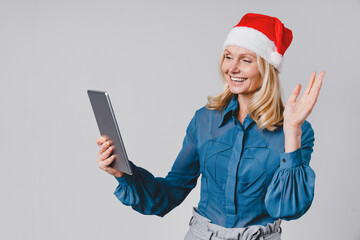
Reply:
x=295, y=93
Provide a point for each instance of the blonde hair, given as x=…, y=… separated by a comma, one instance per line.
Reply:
x=266, y=107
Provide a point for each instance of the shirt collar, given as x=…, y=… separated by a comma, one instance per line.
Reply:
x=230, y=111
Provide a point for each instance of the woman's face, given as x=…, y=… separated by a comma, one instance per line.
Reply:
x=241, y=71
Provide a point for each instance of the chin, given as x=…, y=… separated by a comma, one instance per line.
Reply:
x=236, y=90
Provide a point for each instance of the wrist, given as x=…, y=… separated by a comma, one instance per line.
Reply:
x=292, y=128
x=292, y=137
x=294, y=132
x=119, y=174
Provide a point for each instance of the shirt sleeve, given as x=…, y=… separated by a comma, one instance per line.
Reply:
x=158, y=196
x=291, y=190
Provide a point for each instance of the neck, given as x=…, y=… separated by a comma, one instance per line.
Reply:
x=243, y=109
x=243, y=101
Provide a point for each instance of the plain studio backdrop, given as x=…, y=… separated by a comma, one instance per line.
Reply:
x=159, y=61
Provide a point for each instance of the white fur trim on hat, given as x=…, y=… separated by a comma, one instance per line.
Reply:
x=256, y=42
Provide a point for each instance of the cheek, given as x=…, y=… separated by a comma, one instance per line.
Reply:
x=258, y=81
x=224, y=68
x=254, y=73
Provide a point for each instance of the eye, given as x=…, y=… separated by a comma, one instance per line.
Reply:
x=247, y=60
x=227, y=56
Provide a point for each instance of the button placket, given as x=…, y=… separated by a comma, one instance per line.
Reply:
x=232, y=178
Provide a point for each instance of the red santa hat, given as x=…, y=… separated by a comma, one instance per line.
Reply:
x=264, y=35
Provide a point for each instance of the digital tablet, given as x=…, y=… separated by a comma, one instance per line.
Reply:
x=105, y=118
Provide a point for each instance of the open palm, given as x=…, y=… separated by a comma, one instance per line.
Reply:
x=297, y=110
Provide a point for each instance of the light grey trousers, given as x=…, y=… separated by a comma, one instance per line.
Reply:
x=201, y=228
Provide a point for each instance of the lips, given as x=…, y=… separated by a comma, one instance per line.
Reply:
x=238, y=79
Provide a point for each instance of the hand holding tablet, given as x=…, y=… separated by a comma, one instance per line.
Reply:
x=105, y=159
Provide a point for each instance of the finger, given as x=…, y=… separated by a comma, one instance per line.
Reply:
x=100, y=140
x=310, y=83
x=102, y=155
x=110, y=170
x=109, y=160
x=104, y=147
x=318, y=82
x=317, y=86
x=295, y=93
x=107, y=153
x=104, y=167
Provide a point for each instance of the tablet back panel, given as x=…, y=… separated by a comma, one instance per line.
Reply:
x=105, y=118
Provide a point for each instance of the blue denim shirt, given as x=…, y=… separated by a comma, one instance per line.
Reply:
x=246, y=177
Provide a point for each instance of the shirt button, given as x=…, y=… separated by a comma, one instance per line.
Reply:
x=284, y=160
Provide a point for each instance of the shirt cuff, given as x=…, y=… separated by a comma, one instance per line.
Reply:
x=291, y=159
x=127, y=179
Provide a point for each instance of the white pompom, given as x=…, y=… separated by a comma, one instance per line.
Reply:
x=275, y=59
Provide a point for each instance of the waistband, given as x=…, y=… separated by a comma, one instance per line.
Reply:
x=204, y=226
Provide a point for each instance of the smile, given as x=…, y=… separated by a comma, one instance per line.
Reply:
x=238, y=79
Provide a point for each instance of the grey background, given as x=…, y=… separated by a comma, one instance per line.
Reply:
x=159, y=62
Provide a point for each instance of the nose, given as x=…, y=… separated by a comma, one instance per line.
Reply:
x=234, y=67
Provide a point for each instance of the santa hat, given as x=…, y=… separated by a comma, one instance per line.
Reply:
x=264, y=35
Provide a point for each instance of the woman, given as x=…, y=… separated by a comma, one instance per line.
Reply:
x=252, y=153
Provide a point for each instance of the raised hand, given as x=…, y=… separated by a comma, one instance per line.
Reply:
x=297, y=110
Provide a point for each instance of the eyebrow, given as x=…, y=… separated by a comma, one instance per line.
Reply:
x=242, y=54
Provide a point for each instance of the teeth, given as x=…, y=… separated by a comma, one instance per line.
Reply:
x=238, y=79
